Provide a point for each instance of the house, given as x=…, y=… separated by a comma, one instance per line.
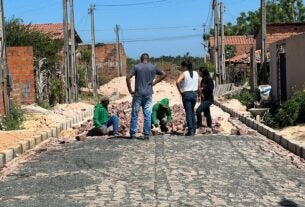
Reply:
x=274, y=33
x=106, y=61
x=55, y=30
x=279, y=31
x=287, y=67
x=242, y=44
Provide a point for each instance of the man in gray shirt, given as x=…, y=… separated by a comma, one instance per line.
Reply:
x=144, y=73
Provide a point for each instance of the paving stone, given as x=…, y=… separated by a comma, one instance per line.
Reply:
x=2, y=159
x=25, y=146
x=9, y=155
x=38, y=139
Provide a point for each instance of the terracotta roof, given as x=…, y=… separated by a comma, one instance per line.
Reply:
x=235, y=40
x=245, y=58
x=54, y=29
x=274, y=37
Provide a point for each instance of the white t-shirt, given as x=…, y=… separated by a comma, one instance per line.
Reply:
x=189, y=83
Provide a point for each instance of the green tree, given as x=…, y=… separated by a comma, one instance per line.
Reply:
x=278, y=11
x=44, y=48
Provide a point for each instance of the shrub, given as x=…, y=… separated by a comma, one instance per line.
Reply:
x=14, y=120
x=57, y=92
x=247, y=97
x=290, y=113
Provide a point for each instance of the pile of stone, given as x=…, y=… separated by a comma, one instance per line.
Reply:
x=178, y=127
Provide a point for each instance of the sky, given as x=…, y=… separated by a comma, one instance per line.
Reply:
x=158, y=27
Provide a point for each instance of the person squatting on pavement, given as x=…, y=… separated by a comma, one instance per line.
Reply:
x=188, y=84
x=145, y=74
x=161, y=116
x=206, y=96
x=102, y=120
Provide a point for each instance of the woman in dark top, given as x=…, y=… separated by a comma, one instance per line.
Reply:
x=206, y=92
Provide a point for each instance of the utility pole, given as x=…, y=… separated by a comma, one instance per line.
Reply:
x=94, y=82
x=66, y=53
x=216, y=29
x=223, y=57
x=118, y=53
x=263, y=66
x=72, y=58
x=3, y=63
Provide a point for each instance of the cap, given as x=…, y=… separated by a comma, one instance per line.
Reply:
x=105, y=98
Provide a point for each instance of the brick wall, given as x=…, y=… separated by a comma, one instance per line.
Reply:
x=21, y=66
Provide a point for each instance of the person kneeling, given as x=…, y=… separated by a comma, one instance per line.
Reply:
x=161, y=116
x=102, y=120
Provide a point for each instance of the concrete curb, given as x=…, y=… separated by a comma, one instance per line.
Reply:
x=25, y=146
x=266, y=131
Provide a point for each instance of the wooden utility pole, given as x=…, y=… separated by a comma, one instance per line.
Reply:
x=253, y=69
x=66, y=53
x=93, y=79
x=3, y=63
x=74, y=96
x=116, y=30
x=263, y=66
x=223, y=57
x=216, y=51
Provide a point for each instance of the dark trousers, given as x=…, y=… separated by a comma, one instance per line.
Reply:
x=205, y=108
x=189, y=102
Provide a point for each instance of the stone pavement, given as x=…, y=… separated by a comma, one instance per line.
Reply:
x=209, y=170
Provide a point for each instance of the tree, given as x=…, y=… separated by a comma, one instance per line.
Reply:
x=279, y=11
x=46, y=52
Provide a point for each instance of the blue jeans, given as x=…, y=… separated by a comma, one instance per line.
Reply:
x=205, y=108
x=113, y=120
x=189, y=101
x=146, y=103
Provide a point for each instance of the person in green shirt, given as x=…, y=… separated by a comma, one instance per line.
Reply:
x=102, y=120
x=161, y=115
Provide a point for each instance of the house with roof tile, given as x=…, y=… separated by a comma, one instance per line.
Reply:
x=243, y=43
x=55, y=30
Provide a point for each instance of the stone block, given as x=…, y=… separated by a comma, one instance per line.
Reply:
x=18, y=149
x=271, y=134
x=44, y=135
x=32, y=143
x=260, y=128
x=63, y=125
x=284, y=142
x=38, y=139
x=265, y=131
x=303, y=152
x=54, y=132
x=291, y=147
x=248, y=122
x=25, y=146
x=69, y=123
x=2, y=159
x=298, y=150
x=9, y=155
x=277, y=138
x=58, y=128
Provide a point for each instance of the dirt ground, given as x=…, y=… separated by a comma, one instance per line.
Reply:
x=38, y=120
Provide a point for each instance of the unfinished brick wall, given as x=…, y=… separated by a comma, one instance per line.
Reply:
x=21, y=67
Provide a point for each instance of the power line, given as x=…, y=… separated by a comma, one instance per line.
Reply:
x=162, y=38
x=150, y=28
x=131, y=4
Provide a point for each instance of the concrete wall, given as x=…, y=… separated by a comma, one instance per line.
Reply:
x=295, y=63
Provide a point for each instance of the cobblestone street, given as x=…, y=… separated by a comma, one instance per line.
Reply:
x=164, y=171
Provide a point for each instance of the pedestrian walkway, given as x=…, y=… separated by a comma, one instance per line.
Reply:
x=164, y=171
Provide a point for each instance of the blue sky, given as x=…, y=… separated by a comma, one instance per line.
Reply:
x=158, y=27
